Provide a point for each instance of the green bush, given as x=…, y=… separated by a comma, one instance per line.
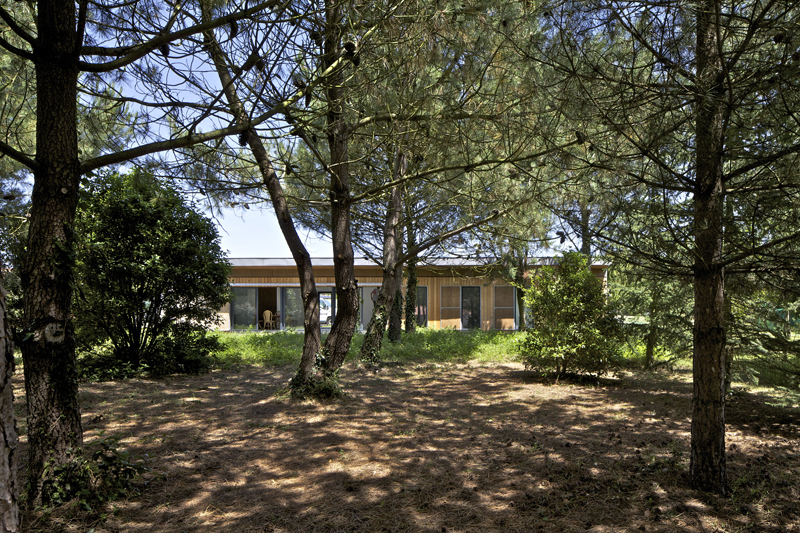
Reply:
x=186, y=349
x=573, y=327
x=148, y=264
x=106, y=475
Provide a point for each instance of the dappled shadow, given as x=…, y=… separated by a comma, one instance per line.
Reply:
x=435, y=448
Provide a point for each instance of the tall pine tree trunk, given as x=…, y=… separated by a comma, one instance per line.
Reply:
x=707, y=462
x=312, y=341
x=48, y=341
x=522, y=283
x=347, y=304
x=586, y=232
x=9, y=492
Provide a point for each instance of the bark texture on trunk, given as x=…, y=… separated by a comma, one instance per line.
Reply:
x=707, y=465
x=395, y=333
x=392, y=270
x=411, y=295
x=522, y=284
x=9, y=491
x=48, y=342
x=586, y=232
x=312, y=341
x=373, y=338
x=347, y=304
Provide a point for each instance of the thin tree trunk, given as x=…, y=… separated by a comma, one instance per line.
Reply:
x=392, y=274
x=707, y=461
x=373, y=338
x=411, y=296
x=586, y=236
x=652, y=329
x=312, y=341
x=9, y=492
x=522, y=283
x=48, y=347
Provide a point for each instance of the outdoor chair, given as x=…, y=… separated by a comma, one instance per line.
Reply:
x=269, y=320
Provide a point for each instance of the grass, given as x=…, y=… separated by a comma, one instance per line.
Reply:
x=426, y=345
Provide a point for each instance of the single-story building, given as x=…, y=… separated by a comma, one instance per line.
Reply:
x=451, y=293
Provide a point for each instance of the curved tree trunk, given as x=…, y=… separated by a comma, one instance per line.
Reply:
x=9, y=492
x=312, y=341
x=48, y=345
x=392, y=271
x=373, y=338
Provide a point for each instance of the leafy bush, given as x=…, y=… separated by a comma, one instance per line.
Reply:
x=187, y=349
x=574, y=329
x=147, y=265
x=107, y=475
x=99, y=363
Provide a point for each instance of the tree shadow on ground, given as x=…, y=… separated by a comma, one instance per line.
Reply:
x=434, y=448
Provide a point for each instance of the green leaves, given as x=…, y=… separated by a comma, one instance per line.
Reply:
x=147, y=262
x=573, y=327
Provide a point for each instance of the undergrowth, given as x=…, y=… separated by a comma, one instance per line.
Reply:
x=275, y=349
x=108, y=474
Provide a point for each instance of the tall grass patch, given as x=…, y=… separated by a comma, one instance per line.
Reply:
x=448, y=345
x=272, y=349
x=283, y=348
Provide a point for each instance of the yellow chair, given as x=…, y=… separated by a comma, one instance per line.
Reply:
x=269, y=320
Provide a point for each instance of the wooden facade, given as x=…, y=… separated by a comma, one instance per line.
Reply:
x=451, y=294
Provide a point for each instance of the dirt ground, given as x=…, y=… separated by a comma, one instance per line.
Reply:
x=426, y=448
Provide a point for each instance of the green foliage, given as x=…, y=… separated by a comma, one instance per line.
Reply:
x=98, y=363
x=150, y=274
x=276, y=349
x=185, y=349
x=321, y=387
x=448, y=345
x=574, y=329
x=107, y=475
x=283, y=348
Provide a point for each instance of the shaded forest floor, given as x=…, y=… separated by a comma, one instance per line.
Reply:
x=432, y=448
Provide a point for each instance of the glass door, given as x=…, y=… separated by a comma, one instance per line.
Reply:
x=470, y=307
x=244, y=309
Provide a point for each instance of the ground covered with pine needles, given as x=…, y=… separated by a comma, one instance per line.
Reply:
x=431, y=448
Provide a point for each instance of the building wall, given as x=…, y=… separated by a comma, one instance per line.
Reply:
x=435, y=279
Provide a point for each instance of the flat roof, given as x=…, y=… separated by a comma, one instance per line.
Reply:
x=363, y=261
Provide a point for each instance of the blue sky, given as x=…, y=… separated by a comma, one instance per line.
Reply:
x=256, y=233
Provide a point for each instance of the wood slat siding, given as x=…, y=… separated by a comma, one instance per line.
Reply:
x=432, y=278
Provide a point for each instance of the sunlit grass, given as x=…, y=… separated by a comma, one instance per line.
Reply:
x=426, y=345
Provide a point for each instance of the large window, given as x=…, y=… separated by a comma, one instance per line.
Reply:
x=244, y=308
x=461, y=307
x=504, y=307
x=293, y=308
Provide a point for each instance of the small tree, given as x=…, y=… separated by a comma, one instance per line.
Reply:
x=573, y=326
x=150, y=274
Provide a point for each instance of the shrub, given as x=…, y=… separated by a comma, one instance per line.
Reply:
x=106, y=475
x=574, y=329
x=186, y=349
x=147, y=265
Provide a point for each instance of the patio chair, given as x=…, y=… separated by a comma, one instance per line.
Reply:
x=269, y=320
